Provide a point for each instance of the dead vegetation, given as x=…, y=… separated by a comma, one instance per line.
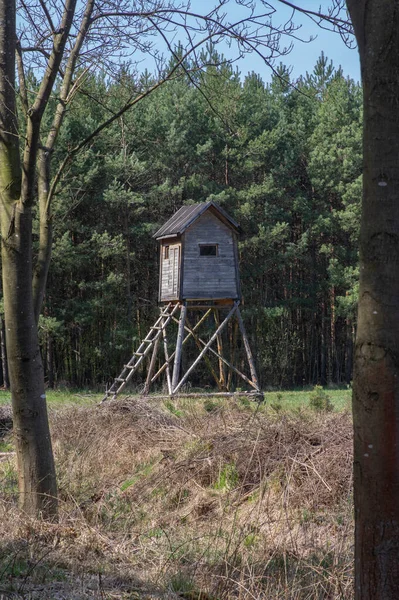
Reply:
x=199, y=500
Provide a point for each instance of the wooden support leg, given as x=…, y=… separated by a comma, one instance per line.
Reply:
x=206, y=347
x=231, y=366
x=167, y=359
x=179, y=343
x=248, y=350
x=171, y=357
x=219, y=341
x=233, y=345
x=151, y=367
x=206, y=358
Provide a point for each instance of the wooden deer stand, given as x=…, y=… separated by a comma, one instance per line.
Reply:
x=199, y=278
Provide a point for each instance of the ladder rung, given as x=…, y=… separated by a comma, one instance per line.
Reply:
x=165, y=316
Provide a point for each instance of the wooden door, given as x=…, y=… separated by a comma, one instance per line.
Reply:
x=174, y=256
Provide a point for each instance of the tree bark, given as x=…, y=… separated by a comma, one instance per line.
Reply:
x=36, y=472
x=4, y=364
x=42, y=265
x=45, y=190
x=376, y=369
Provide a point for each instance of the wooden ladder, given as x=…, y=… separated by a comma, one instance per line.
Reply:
x=143, y=350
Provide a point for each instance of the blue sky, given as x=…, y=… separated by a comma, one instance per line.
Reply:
x=304, y=55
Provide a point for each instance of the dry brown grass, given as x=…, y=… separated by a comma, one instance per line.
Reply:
x=196, y=500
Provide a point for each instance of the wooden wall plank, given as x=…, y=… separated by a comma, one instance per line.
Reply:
x=209, y=276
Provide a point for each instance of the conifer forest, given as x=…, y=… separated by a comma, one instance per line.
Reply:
x=282, y=158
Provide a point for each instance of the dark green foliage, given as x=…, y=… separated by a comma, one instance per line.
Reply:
x=284, y=161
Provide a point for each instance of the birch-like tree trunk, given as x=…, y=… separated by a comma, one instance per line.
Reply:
x=376, y=379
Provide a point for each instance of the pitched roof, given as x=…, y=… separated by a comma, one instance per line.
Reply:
x=186, y=215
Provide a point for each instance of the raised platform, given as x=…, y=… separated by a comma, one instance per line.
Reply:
x=186, y=330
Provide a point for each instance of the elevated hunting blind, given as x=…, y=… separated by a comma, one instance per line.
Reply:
x=198, y=255
x=198, y=274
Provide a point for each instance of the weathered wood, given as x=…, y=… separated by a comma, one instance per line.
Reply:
x=170, y=271
x=144, y=348
x=224, y=360
x=206, y=358
x=209, y=276
x=179, y=343
x=231, y=366
x=204, y=280
x=152, y=366
x=258, y=396
x=236, y=265
x=206, y=347
x=233, y=345
x=201, y=275
x=248, y=349
x=166, y=352
x=219, y=341
x=168, y=361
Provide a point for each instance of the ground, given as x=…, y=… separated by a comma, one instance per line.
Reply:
x=198, y=499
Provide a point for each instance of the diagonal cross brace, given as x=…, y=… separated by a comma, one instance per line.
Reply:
x=228, y=364
x=206, y=347
x=171, y=357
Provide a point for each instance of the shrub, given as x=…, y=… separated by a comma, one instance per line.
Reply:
x=319, y=400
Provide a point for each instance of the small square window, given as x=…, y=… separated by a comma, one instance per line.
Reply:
x=166, y=252
x=208, y=249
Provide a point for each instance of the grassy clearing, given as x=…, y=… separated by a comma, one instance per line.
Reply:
x=287, y=400
x=205, y=499
x=340, y=398
x=61, y=397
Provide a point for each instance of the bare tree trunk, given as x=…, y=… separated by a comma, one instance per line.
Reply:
x=36, y=472
x=376, y=376
x=6, y=379
x=42, y=265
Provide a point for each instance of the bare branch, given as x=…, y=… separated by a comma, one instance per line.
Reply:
x=21, y=76
x=35, y=113
x=66, y=90
x=342, y=26
x=48, y=16
x=189, y=75
x=109, y=121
